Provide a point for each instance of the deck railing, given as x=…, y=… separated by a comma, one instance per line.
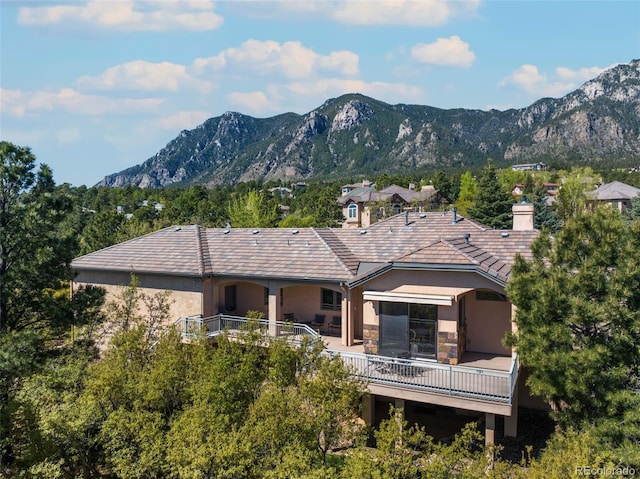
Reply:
x=192, y=326
x=461, y=381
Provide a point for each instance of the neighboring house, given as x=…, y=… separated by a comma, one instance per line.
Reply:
x=415, y=303
x=364, y=205
x=280, y=191
x=616, y=193
x=529, y=167
x=551, y=189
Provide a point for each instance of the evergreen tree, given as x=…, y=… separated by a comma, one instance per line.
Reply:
x=545, y=217
x=36, y=248
x=578, y=319
x=492, y=205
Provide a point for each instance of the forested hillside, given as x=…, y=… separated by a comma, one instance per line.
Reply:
x=595, y=125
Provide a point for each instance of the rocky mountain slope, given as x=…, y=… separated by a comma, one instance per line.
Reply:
x=354, y=134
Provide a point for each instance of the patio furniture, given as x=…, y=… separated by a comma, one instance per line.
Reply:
x=318, y=321
x=336, y=323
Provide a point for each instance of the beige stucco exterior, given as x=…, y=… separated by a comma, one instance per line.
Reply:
x=186, y=294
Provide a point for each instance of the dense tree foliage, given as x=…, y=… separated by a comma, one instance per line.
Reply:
x=492, y=203
x=468, y=191
x=578, y=321
x=36, y=247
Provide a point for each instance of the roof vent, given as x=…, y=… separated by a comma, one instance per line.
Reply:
x=256, y=242
x=466, y=237
x=226, y=231
x=255, y=232
x=504, y=234
x=177, y=229
x=406, y=218
x=294, y=232
x=363, y=232
x=423, y=215
x=308, y=244
x=454, y=221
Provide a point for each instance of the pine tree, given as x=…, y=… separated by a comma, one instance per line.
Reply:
x=492, y=205
x=578, y=318
x=545, y=217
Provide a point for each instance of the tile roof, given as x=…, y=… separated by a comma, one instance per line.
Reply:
x=616, y=190
x=175, y=250
x=322, y=254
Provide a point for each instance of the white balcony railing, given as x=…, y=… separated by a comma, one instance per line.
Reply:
x=461, y=381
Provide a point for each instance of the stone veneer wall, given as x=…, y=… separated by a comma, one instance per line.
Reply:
x=370, y=338
x=447, y=348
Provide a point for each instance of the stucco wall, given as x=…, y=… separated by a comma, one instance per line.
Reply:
x=487, y=322
x=304, y=301
x=186, y=293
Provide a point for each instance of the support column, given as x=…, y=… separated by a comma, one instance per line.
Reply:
x=489, y=428
x=345, y=315
x=399, y=404
x=215, y=297
x=274, y=308
x=511, y=422
x=369, y=409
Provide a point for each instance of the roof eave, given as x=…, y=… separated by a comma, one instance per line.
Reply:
x=465, y=268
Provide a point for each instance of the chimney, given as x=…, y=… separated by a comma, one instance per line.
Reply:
x=455, y=216
x=523, y=215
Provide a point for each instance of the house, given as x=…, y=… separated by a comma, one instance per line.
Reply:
x=529, y=167
x=414, y=303
x=616, y=194
x=364, y=205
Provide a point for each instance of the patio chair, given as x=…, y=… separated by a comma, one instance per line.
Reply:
x=336, y=323
x=318, y=321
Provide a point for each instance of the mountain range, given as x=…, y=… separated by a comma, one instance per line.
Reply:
x=356, y=135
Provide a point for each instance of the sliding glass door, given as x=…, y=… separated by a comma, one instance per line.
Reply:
x=408, y=329
x=423, y=320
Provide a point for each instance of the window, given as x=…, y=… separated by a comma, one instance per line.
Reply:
x=266, y=296
x=490, y=296
x=331, y=300
x=353, y=211
x=230, y=303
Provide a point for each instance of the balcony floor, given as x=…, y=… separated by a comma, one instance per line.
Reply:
x=470, y=359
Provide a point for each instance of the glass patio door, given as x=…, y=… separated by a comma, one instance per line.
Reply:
x=408, y=329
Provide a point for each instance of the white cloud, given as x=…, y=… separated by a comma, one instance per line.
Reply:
x=255, y=102
x=126, y=15
x=22, y=103
x=182, y=120
x=399, y=12
x=291, y=60
x=529, y=79
x=142, y=75
x=450, y=51
x=581, y=75
x=303, y=96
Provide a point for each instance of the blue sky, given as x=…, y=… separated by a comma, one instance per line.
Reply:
x=94, y=87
